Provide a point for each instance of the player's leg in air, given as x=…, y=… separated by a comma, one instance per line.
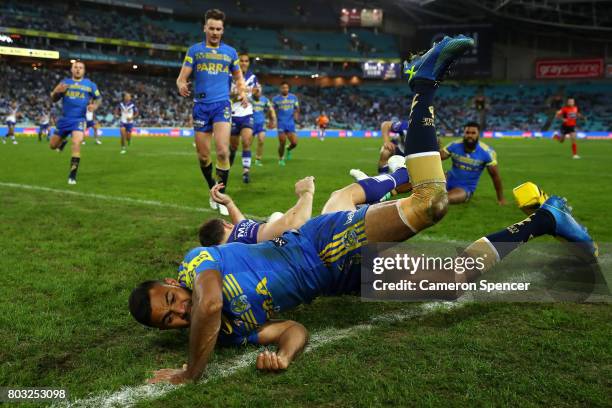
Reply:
x=65, y=128
x=213, y=121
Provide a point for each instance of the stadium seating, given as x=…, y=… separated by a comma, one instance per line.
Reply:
x=509, y=107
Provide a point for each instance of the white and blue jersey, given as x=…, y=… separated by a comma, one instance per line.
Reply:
x=90, y=119
x=468, y=166
x=285, y=107
x=245, y=231
x=399, y=131
x=242, y=116
x=11, y=117
x=127, y=111
x=44, y=120
x=74, y=105
x=322, y=258
x=212, y=70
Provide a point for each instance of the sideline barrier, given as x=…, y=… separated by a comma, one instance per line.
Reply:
x=331, y=133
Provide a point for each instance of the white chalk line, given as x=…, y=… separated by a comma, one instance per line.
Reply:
x=128, y=396
x=122, y=199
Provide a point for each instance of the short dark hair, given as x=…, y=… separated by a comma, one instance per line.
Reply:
x=472, y=124
x=140, y=302
x=211, y=232
x=285, y=83
x=243, y=52
x=215, y=14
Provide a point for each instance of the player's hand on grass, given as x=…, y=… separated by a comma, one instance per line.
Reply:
x=170, y=376
x=271, y=362
x=183, y=89
x=502, y=201
x=218, y=196
x=305, y=185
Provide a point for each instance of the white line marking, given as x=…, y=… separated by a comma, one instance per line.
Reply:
x=128, y=396
x=136, y=201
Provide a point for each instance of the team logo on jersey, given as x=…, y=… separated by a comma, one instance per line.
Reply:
x=350, y=238
x=349, y=217
x=279, y=241
x=240, y=304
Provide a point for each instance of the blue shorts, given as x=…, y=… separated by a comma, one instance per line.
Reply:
x=205, y=114
x=10, y=123
x=258, y=128
x=287, y=127
x=43, y=127
x=128, y=126
x=338, y=238
x=450, y=184
x=241, y=122
x=65, y=126
x=90, y=124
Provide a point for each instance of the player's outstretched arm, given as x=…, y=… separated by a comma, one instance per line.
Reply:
x=205, y=323
x=59, y=91
x=497, y=183
x=295, y=217
x=234, y=212
x=290, y=336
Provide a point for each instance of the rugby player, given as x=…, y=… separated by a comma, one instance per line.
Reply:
x=262, y=107
x=92, y=123
x=242, y=119
x=287, y=109
x=470, y=157
x=213, y=64
x=44, y=120
x=322, y=122
x=217, y=231
x=228, y=294
x=79, y=95
x=570, y=114
x=11, y=120
x=127, y=111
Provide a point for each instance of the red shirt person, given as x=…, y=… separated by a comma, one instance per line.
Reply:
x=569, y=114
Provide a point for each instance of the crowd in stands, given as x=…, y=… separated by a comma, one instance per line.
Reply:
x=506, y=107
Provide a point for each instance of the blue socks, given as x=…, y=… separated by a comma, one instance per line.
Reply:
x=375, y=188
x=421, y=126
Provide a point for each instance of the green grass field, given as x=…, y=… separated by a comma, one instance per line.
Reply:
x=69, y=262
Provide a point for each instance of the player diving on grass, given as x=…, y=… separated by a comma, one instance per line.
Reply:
x=79, y=95
x=262, y=108
x=242, y=118
x=229, y=294
x=126, y=111
x=213, y=64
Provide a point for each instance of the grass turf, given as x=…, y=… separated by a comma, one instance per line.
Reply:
x=69, y=262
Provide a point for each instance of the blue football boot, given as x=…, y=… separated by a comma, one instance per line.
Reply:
x=566, y=226
x=434, y=64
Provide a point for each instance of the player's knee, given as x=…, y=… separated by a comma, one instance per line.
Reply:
x=292, y=145
x=426, y=206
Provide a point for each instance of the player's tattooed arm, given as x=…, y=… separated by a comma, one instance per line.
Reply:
x=205, y=324
x=58, y=91
x=291, y=338
x=234, y=212
x=294, y=217
x=497, y=183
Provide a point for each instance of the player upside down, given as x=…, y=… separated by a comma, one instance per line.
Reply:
x=228, y=294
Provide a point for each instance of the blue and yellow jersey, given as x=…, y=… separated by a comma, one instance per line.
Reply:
x=212, y=70
x=259, y=280
x=285, y=106
x=260, y=108
x=77, y=97
x=468, y=166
